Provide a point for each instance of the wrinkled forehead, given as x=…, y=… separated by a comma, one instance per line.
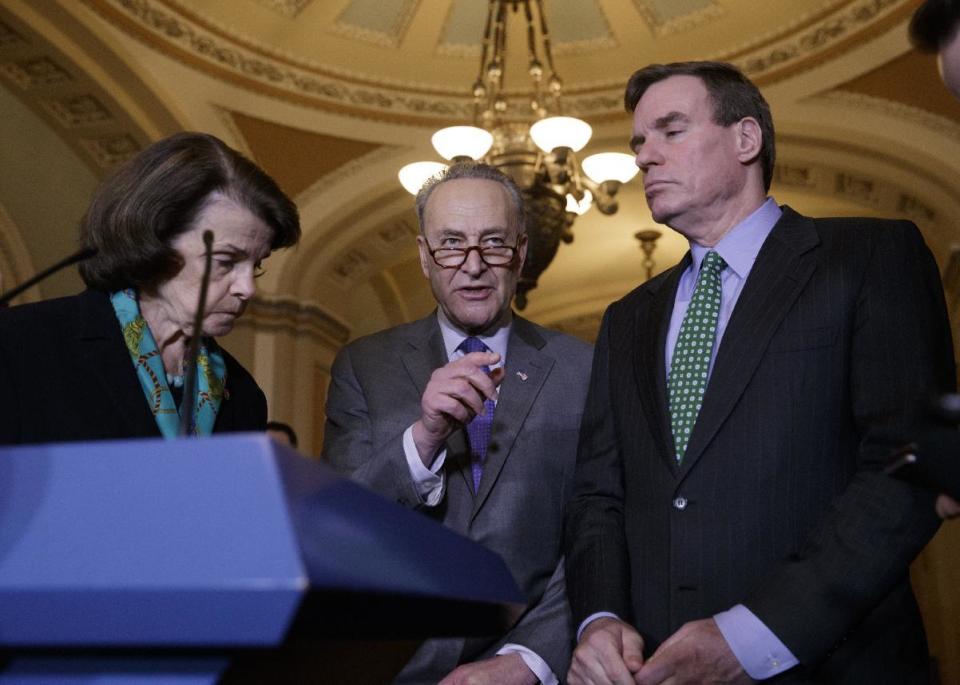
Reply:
x=676, y=94
x=469, y=205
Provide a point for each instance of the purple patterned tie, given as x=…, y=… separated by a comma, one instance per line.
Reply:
x=481, y=427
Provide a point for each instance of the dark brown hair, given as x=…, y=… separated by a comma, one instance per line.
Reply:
x=136, y=214
x=733, y=95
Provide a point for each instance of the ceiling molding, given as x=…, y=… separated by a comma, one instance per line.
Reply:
x=201, y=44
x=665, y=26
x=82, y=113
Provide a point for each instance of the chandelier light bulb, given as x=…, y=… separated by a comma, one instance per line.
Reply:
x=610, y=166
x=462, y=141
x=583, y=206
x=413, y=176
x=554, y=132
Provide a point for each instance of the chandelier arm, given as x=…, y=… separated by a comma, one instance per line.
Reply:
x=535, y=68
x=556, y=85
x=485, y=50
x=606, y=197
x=499, y=57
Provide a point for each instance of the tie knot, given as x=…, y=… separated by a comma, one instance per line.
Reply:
x=472, y=344
x=713, y=261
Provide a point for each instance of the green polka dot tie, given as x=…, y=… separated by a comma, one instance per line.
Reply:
x=691, y=356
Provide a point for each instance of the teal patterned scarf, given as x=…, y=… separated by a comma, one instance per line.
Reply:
x=211, y=371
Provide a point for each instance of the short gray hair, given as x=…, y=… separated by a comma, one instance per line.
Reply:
x=477, y=170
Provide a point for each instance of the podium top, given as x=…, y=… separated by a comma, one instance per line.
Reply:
x=210, y=541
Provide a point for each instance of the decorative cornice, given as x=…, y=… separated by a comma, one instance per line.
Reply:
x=829, y=37
x=898, y=110
x=354, y=264
x=77, y=109
x=287, y=8
x=286, y=315
x=197, y=42
x=854, y=186
x=385, y=39
x=684, y=22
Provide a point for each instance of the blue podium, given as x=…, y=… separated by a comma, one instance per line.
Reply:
x=151, y=561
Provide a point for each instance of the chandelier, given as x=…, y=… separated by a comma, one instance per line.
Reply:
x=540, y=157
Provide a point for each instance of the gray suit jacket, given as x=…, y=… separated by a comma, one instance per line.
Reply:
x=375, y=392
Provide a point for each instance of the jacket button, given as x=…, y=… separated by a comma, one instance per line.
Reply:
x=680, y=503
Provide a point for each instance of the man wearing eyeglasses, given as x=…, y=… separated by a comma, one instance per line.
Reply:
x=471, y=416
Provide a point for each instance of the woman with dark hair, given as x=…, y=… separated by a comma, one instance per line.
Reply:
x=110, y=362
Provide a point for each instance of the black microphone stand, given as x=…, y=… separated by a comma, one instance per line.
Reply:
x=189, y=401
x=78, y=256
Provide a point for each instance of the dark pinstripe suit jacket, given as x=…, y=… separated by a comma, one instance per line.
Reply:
x=375, y=391
x=840, y=325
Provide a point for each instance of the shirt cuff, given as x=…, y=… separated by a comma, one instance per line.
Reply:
x=593, y=617
x=533, y=662
x=428, y=482
x=759, y=651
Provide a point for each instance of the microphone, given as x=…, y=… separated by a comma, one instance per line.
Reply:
x=77, y=256
x=189, y=401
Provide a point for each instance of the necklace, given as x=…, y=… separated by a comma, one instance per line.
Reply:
x=175, y=380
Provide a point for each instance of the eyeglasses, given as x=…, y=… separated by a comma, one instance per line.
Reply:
x=492, y=255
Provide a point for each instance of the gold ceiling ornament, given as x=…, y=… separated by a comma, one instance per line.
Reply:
x=540, y=157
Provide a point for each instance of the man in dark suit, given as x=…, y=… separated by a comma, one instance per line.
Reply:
x=935, y=27
x=400, y=400
x=730, y=519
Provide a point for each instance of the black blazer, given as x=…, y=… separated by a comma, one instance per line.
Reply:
x=779, y=503
x=65, y=374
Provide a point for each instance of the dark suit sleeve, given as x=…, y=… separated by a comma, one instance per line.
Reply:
x=596, y=552
x=901, y=351
x=349, y=442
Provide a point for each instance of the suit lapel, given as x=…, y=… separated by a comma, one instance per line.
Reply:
x=527, y=369
x=652, y=324
x=107, y=363
x=423, y=351
x=782, y=269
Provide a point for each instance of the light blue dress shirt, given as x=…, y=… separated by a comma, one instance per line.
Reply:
x=759, y=651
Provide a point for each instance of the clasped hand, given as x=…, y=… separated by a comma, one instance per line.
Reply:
x=610, y=652
x=453, y=396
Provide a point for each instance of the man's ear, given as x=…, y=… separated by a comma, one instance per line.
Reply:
x=425, y=257
x=749, y=139
x=521, y=251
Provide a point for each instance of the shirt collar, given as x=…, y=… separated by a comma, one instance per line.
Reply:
x=740, y=246
x=496, y=340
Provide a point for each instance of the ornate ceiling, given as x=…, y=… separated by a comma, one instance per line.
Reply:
x=333, y=96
